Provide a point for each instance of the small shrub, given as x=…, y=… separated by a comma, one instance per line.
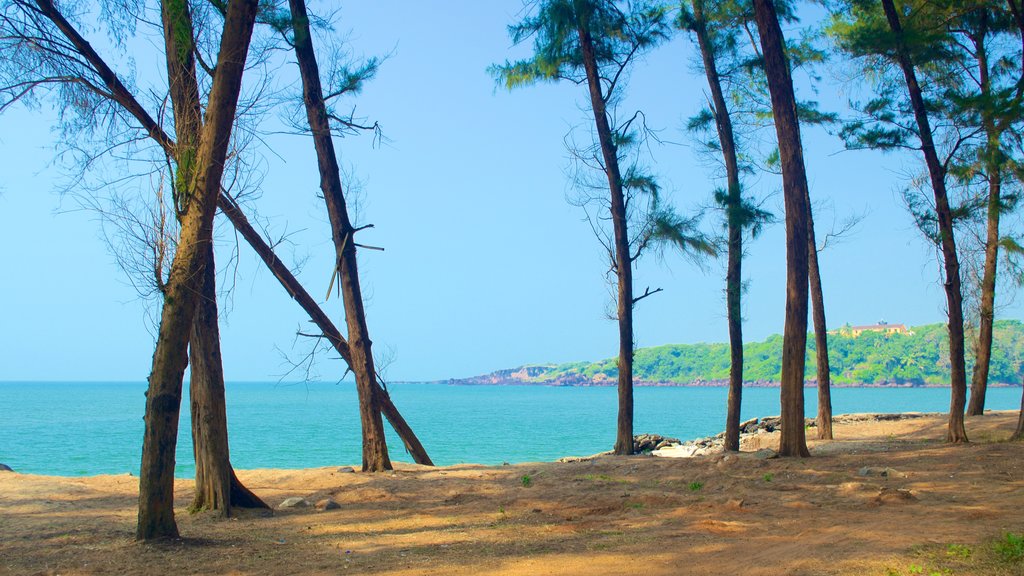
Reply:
x=768, y=477
x=527, y=481
x=696, y=486
x=1010, y=548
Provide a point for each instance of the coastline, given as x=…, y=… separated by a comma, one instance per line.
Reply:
x=610, y=383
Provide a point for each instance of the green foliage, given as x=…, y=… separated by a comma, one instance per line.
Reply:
x=1010, y=548
x=554, y=27
x=917, y=359
x=526, y=480
x=696, y=486
x=768, y=477
x=958, y=551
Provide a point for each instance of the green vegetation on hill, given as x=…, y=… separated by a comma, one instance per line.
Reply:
x=921, y=358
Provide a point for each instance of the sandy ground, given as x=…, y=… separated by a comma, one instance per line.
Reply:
x=938, y=510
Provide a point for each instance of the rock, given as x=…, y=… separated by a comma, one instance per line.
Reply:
x=765, y=454
x=346, y=470
x=5, y=468
x=327, y=504
x=749, y=427
x=770, y=424
x=651, y=442
x=294, y=502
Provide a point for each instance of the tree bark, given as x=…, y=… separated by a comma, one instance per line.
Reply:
x=937, y=174
x=163, y=399
x=734, y=206
x=824, y=419
x=793, y=441
x=622, y=256
x=994, y=168
x=375, y=450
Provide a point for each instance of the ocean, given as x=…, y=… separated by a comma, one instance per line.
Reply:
x=86, y=428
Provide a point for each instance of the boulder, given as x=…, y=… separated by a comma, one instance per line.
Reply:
x=765, y=454
x=294, y=502
x=749, y=427
x=346, y=470
x=5, y=468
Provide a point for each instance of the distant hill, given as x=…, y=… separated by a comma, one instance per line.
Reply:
x=870, y=359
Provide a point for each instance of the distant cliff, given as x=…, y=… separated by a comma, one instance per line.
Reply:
x=917, y=358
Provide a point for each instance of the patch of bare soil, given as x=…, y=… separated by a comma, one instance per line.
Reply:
x=886, y=498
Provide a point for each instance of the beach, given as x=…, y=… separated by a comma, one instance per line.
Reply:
x=886, y=497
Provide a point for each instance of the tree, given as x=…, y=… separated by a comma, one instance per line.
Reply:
x=794, y=178
x=716, y=26
x=81, y=75
x=594, y=43
x=985, y=91
x=375, y=451
x=879, y=38
x=96, y=92
x=217, y=487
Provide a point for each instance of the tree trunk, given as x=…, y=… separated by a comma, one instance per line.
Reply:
x=794, y=185
x=623, y=258
x=824, y=420
x=375, y=450
x=217, y=487
x=994, y=168
x=734, y=207
x=937, y=173
x=163, y=399
x=1018, y=434
x=316, y=314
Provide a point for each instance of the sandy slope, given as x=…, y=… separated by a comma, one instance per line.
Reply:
x=939, y=508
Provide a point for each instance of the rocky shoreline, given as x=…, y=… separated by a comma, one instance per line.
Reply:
x=666, y=447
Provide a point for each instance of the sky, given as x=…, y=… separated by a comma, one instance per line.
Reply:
x=486, y=264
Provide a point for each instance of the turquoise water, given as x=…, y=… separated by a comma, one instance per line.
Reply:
x=82, y=428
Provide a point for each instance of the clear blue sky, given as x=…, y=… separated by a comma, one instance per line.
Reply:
x=486, y=264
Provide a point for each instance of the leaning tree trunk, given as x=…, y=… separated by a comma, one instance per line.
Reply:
x=623, y=258
x=994, y=169
x=217, y=487
x=163, y=399
x=824, y=420
x=937, y=173
x=316, y=314
x=375, y=450
x=793, y=441
x=734, y=206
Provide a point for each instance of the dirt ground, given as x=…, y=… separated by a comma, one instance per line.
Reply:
x=887, y=498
